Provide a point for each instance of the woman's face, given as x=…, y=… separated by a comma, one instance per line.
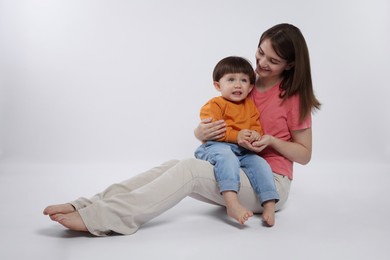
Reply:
x=268, y=63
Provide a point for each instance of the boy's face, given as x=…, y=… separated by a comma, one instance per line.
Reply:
x=234, y=86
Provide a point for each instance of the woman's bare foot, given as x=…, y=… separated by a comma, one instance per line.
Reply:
x=71, y=220
x=269, y=213
x=54, y=210
x=58, y=209
x=235, y=209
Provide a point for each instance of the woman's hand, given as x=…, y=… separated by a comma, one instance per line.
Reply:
x=263, y=142
x=298, y=149
x=258, y=145
x=208, y=130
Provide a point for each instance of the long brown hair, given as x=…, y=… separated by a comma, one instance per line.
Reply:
x=289, y=43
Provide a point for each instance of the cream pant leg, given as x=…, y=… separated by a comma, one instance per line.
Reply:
x=124, y=207
x=126, y=186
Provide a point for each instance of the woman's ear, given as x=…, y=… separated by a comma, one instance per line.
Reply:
x=289, y=66
x=217, y=86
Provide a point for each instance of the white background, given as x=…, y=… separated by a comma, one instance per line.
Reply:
x=93, y=92
x=119, y=81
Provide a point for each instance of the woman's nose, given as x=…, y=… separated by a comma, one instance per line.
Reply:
x=262, y=62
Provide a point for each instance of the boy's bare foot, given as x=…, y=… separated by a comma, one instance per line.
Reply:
x=235, y=209
x=269, y=213
x=239, y=213
x=58, y=209
x=71, y=220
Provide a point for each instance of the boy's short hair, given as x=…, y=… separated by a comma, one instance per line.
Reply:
x=234, y=64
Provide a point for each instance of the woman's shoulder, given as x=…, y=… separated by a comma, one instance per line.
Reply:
x=293, y=100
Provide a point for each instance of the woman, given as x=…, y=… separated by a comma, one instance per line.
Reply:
x=284, y=96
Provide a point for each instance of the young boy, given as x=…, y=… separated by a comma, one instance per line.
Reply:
x=234, y=78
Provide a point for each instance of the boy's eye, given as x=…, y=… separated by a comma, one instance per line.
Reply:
x=244, y=80
x=230, y=79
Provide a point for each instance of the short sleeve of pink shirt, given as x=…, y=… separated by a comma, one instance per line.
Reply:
x=278, y=119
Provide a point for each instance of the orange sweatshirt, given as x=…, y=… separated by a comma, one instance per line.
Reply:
x=237, y=116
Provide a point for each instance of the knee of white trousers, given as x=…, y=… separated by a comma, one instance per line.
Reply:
x=283, y=184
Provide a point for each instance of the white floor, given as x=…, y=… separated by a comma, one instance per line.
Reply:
x=335, y=211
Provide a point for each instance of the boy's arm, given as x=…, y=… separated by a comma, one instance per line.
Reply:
x=211, y=110
x=255, y=130
x=214, y=110
x=231, y=135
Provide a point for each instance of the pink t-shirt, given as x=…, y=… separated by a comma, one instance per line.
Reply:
x=278, y=119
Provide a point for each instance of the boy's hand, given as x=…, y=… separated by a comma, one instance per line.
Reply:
x=248, y=135
x=255, y=136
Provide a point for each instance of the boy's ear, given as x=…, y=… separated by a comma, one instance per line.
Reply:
x=251, y=87
x=217, y=86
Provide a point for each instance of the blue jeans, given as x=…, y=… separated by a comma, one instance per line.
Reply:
x=228, y=158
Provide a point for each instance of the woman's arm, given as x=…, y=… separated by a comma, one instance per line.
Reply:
x=298, y=150
x=208, y=130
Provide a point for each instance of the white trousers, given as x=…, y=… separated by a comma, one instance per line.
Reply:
x=124, y=207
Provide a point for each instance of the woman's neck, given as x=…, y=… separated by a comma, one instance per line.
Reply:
x=263, y=85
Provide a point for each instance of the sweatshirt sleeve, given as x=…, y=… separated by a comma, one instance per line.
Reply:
x=211, y=109
x=231, y=135
x=214, y=109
